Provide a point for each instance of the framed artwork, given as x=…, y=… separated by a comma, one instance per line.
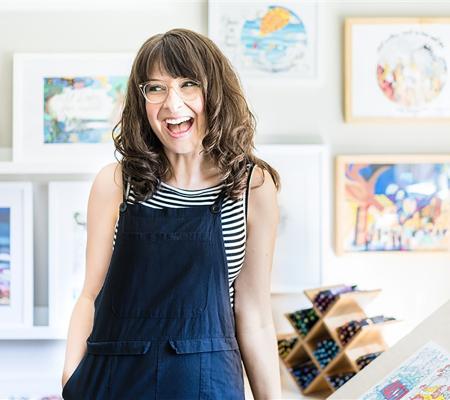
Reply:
x=67, y=202
x=392, y=203
x=16, y=255
x=66, y=105
x=266, y=40
x=397, y=69
x=301, y=235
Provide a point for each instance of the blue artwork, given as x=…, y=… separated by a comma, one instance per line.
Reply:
x=5, y=256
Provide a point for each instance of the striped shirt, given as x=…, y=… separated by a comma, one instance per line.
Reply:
x=233, y=219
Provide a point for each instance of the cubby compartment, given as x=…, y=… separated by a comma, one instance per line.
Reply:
x=322, y=346
x=303, y=321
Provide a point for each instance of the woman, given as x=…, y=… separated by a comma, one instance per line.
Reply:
x=172, y=310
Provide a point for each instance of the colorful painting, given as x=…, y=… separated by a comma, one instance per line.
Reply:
x=421, y=377
x=264, y=39
x=397, y=68
x=82, y=109
x=5, y=256
x=67, y=105
x=16, y=255
x=392, y=205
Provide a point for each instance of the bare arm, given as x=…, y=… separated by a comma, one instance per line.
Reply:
x=103, y=206
x=254, y=324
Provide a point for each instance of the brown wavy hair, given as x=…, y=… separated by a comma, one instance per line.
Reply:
x=230, y=126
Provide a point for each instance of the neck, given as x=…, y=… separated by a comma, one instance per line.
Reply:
x=192, y=171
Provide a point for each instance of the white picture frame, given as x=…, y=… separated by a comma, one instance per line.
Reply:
x=16, y=252
x=65, y=105
x=269, y=41
x=67, y=202
x=302, y=234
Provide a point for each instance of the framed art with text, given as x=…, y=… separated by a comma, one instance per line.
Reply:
x=392, y=203
x=16, y=255
x=397, y=69
x=66, y=105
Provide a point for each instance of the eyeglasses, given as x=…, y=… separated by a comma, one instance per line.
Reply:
x=156, y=92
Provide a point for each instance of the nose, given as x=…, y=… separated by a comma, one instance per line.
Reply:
x=173, y=100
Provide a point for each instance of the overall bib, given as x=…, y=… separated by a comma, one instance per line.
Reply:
x=163, y=323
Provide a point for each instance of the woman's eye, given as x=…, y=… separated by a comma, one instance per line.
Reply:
x=154, y=88
x=190, y=83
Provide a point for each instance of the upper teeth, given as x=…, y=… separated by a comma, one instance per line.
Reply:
x=178, y=121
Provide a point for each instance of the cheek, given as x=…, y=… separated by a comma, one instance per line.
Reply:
x=152, y=116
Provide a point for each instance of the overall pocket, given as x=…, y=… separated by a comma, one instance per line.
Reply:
x=131, y=366
x=66, y=388
x=160, y=274
x=90, y=380
x=190, y=363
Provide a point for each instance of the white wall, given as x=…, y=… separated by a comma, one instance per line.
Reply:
x=413, y=284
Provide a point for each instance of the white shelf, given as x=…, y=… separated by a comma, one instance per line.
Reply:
x=14, y=168
x=33, y=333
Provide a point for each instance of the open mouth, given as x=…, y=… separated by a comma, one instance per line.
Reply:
x=180, y=128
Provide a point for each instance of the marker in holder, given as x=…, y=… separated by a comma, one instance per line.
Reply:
x=303, y=320
x=304, y=373
x=286, y=345
x=338, y=380
x=325, y=351
x=325, y=298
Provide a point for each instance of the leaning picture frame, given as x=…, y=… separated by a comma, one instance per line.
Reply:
x=397, y=70
x=302, y=230
x=269, y=41
x=67, y=205
x=392, y=203
x=16, y=255
x=65, y=106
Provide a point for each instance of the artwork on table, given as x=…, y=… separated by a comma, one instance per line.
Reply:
x=392, y=203
x=16, y=255
x=265, y=39
x=397, y=69
x=66, y=105
x=424, y=375
x=300, y=238
x=67, y=202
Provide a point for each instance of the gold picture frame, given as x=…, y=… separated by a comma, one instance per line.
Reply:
x=392, y=203
x=396, y=70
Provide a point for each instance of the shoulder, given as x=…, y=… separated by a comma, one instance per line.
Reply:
x=108, y=182
x=262, y=196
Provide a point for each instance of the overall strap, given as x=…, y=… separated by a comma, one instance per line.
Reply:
x=217, y=205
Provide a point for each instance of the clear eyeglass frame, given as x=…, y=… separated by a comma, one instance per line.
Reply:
x=160, y=98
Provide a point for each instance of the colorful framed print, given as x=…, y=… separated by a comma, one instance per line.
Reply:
x=16, y=255
x=392, y=203
x=268, y=40
x=67, y=202
x=66, y=105
x=397, y=69
x=301, y=237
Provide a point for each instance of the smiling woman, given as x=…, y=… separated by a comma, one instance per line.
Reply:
x=184, y=294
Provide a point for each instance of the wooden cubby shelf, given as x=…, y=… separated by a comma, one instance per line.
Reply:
x=345, y=307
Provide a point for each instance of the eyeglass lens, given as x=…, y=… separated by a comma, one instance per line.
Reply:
x=157, y=92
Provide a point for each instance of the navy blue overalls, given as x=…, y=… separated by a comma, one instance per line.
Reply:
x=163, y=323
